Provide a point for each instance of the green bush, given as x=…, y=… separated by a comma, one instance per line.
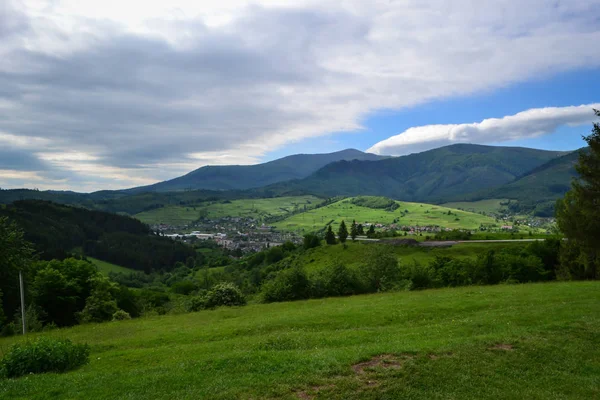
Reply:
x=337, y=280
x=121, y=315
x=184, y=287
x=43, y=355
x=290, y=284
x=224, y=294
x=196, y=303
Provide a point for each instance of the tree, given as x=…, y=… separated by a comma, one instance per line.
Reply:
x=101, y=304
x=15, y=255
x=330, y=236
x=353, y=230
x=311, y=240
x=578, y=214
x=371, y=231
x=343, y=233
x=361, y=230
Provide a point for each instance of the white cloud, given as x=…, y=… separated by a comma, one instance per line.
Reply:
x=151, y=87
x=527, y=124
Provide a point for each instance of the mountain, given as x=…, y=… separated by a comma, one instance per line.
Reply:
x=431, y=176
x=240, y=177
x=538, y=189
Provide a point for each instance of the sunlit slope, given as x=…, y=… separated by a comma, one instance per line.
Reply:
x=535, y=341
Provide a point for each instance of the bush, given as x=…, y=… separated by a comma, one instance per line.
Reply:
x=224, y=294
x=382, y=272
x=196, y=303
x=121, y=315
x=336, y=281
x=43, y=355
x=184, y=287
x=290, y=284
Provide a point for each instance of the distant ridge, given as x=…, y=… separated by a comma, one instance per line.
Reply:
x=240, y=177
x=431, y=176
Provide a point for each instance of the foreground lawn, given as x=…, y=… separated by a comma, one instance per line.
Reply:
x=538, y=341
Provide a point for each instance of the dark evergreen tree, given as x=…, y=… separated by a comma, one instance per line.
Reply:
x=361, y=230
x=353, y=230
x=330, y=236
x=578, y=214
x=343, y=233
x=371, y=231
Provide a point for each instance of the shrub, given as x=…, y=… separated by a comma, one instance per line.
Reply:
x=121, y=315
x=336, y=281
x=43, y=355
x=382, y=271
x=196, y=303
x=290, y=284
x=224, y=294
x=183, y=287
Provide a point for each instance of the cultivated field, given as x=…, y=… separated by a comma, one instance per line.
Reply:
x=255, y=208
x=535, y=341
x=418, y=214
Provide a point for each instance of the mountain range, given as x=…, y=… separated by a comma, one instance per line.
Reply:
x=460, y=172
x=241, y=177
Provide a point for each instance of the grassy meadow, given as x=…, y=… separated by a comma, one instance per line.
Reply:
x=356, y=253
x=486, y=206
x=534, y=341
x=418, y=214
x=106, y=267
x=255, y=208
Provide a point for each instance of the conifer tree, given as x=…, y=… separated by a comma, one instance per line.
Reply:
x=343, y=233
x=578, y=214
x=353, y=230
x=329, y=236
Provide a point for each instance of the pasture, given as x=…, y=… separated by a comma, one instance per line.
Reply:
x=534, y=341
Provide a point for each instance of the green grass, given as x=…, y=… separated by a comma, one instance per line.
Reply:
x=256, y=208
x=537, y=341
x=485, y=206
x=106, y=267
x=418, y=214
x=355, y=255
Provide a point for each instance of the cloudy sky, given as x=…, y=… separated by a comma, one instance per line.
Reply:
x=120, y=93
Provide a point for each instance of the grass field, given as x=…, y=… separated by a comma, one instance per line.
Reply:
x=356, y=255
x=537, y=341
x=418, y=214
x=256, y=208
x=106, y=267
x=486, y=206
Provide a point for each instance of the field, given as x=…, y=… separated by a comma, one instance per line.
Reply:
x=355, y=254
x=486, y=206
x=255, y=208
x=535, y=341
x=106, y=267
x=418, y=214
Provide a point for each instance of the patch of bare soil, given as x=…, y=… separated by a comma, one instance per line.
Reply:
x=304, y=395
x=382, y=361
x=502, y=346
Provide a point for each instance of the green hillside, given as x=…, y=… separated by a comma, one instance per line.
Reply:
x=356, y=254
x=106, y=267
x=538, y=189
x=536, y=341
x=238, y=177
x=488, y=206
x=255, y=208
x=431, y=176
x=418, y=214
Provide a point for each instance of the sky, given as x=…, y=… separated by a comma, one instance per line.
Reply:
x=116, y=94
